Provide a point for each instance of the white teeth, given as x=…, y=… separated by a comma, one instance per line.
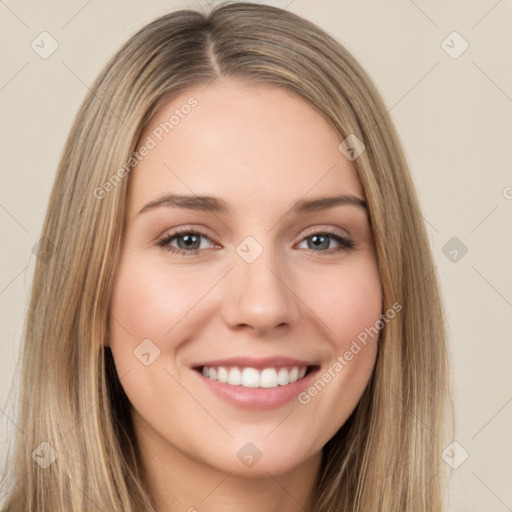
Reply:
x=268, y=378
x=283, y=377
x=222, y=374
x=235, y=377
x=250, y=378
x=253, y=378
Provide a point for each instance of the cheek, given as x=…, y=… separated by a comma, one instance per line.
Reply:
x=348, y=301
x=350, y=305
x=150, y=302
x=358, y=305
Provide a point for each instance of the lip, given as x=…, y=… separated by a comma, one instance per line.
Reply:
x=257, y=399
x=252, y=362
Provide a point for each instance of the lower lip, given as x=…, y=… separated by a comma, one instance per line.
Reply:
x=258, y=398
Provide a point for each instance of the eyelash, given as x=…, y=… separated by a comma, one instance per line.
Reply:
x=345, y=243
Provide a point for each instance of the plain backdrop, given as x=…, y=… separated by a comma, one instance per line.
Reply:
x=453, y=111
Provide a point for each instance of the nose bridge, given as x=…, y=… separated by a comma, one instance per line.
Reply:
x=258, y=290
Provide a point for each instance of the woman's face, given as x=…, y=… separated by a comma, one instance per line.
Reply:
x=262, y=283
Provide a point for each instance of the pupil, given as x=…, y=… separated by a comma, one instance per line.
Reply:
x=188, y=241
x=324, y=244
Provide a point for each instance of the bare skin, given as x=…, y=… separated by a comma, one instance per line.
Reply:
x=305, y=296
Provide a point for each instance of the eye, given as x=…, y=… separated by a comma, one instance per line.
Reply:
x=320, y=242
x=188, y=242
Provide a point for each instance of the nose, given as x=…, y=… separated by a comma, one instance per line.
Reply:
x=260, y=296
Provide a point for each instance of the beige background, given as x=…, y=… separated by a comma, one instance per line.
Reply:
x=453, y=115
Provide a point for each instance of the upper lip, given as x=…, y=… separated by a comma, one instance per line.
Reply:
x=252, y=362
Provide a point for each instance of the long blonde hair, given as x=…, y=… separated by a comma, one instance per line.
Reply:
x=387, y=456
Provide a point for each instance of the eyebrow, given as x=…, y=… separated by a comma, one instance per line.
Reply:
x=216, y=205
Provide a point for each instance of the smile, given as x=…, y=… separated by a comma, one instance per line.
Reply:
x=247, y=377
x=256, y=384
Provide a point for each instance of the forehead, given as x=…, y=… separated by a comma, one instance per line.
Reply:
x=251, y=144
